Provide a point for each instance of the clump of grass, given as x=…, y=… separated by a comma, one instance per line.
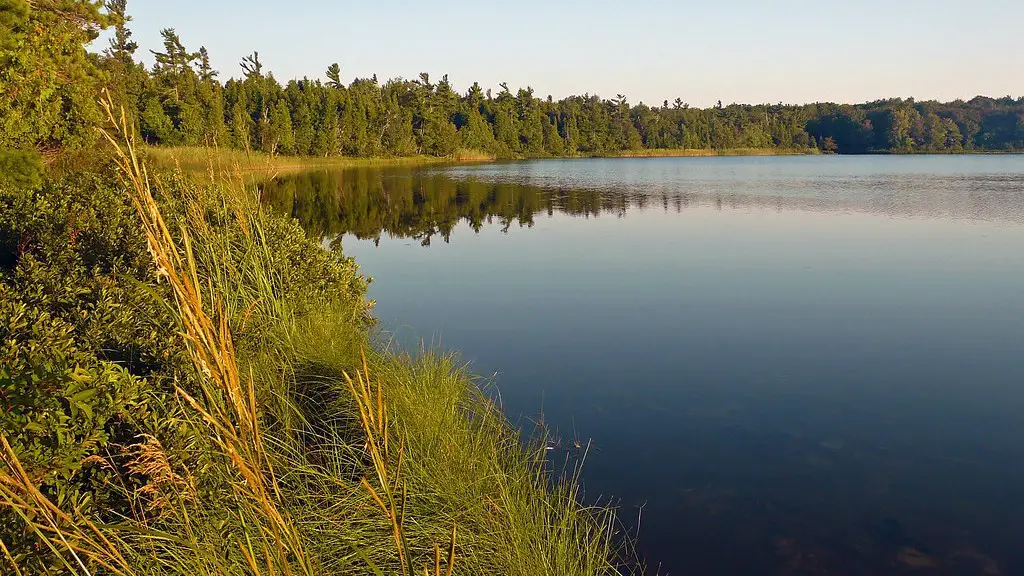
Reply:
x=472, y=155
x=201, y=160
x=326, y=459
x=229, y=407
x=76, y=542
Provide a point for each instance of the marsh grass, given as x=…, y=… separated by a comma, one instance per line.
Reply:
x=472, y=155
x=323, y=455
x=201, y=160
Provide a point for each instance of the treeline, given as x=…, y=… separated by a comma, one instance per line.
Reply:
x=180, y=101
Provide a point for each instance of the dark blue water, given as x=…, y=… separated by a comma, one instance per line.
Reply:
x=803, y=365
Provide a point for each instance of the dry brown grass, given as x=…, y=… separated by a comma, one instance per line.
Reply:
x=229, y=405
x=204, y=160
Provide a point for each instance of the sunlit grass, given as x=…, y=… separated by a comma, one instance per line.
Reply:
x=203, y=159
x=328, y=456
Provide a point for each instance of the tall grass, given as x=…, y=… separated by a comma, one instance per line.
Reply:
x=328, y=457
x=200, y=159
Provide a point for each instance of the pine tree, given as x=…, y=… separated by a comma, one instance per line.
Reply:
x=440, y=138
x=206, y=72
x=325, y=140
x=553, y=142
x=334, y=76
x=156, y=125
x=241, y=127
x=531, y=122
x=174, y=60
x=48, y=83
x=303, y=129
x=251, y=66
x=191, y=124
x=281, y=125
x=120, y=47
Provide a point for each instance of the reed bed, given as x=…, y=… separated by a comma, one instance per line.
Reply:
x=200, y=159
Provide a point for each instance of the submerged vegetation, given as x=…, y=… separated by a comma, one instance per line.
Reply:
x=189, y=384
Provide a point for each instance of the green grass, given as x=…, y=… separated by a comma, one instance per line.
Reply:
x=216, y=163
x=302, y=448
x=200, y=159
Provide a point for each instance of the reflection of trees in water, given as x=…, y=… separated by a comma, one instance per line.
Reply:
x=408, y=203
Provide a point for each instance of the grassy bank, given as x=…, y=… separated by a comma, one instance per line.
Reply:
x=197, y=159
x=258, y=165
x=196, y=390
x=204, y=159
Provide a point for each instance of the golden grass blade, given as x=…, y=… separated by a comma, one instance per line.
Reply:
x=249, y=557
x=212, y=351
x=10, y=559
x=451, y=554
x=81, y=539
x=376, y=498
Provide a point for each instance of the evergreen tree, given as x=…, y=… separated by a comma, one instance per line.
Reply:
x=334, y=76
x=241, y=127
x=325, y=140
x=206, y=72
x=181, y=101
x=440, y=138
x=156, y=125
x=174, y=60
x=303, y=129
x=531, y=123
x=251, y=66
x=553, y=143
x=48, y=83
x=121, y=47
x=281, y=125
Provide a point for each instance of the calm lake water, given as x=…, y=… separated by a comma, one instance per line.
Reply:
x=791, y=365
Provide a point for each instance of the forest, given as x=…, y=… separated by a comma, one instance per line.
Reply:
x=180, y=100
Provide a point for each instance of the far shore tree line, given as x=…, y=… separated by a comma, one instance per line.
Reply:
x=181, y=101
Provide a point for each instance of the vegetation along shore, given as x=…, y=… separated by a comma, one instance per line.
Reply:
x=182, y=102
x=190, y=384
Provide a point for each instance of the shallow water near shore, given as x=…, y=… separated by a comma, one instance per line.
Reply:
x=786, y=365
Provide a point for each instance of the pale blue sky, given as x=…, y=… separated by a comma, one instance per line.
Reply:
x=737, y=51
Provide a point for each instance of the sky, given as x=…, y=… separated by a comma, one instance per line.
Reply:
x=748, y=51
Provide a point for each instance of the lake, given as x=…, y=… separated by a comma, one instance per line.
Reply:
x=786, y=365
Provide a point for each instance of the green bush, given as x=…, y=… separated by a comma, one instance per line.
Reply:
x=90, y=351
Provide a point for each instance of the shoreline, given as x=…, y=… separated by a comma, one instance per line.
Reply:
x=226, y=160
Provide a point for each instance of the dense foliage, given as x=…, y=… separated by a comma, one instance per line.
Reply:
x=180, y=101
x=175, y=361
x=90, y=352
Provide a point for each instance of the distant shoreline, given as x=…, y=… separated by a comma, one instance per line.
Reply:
x=700, y=152
x=227, y=161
